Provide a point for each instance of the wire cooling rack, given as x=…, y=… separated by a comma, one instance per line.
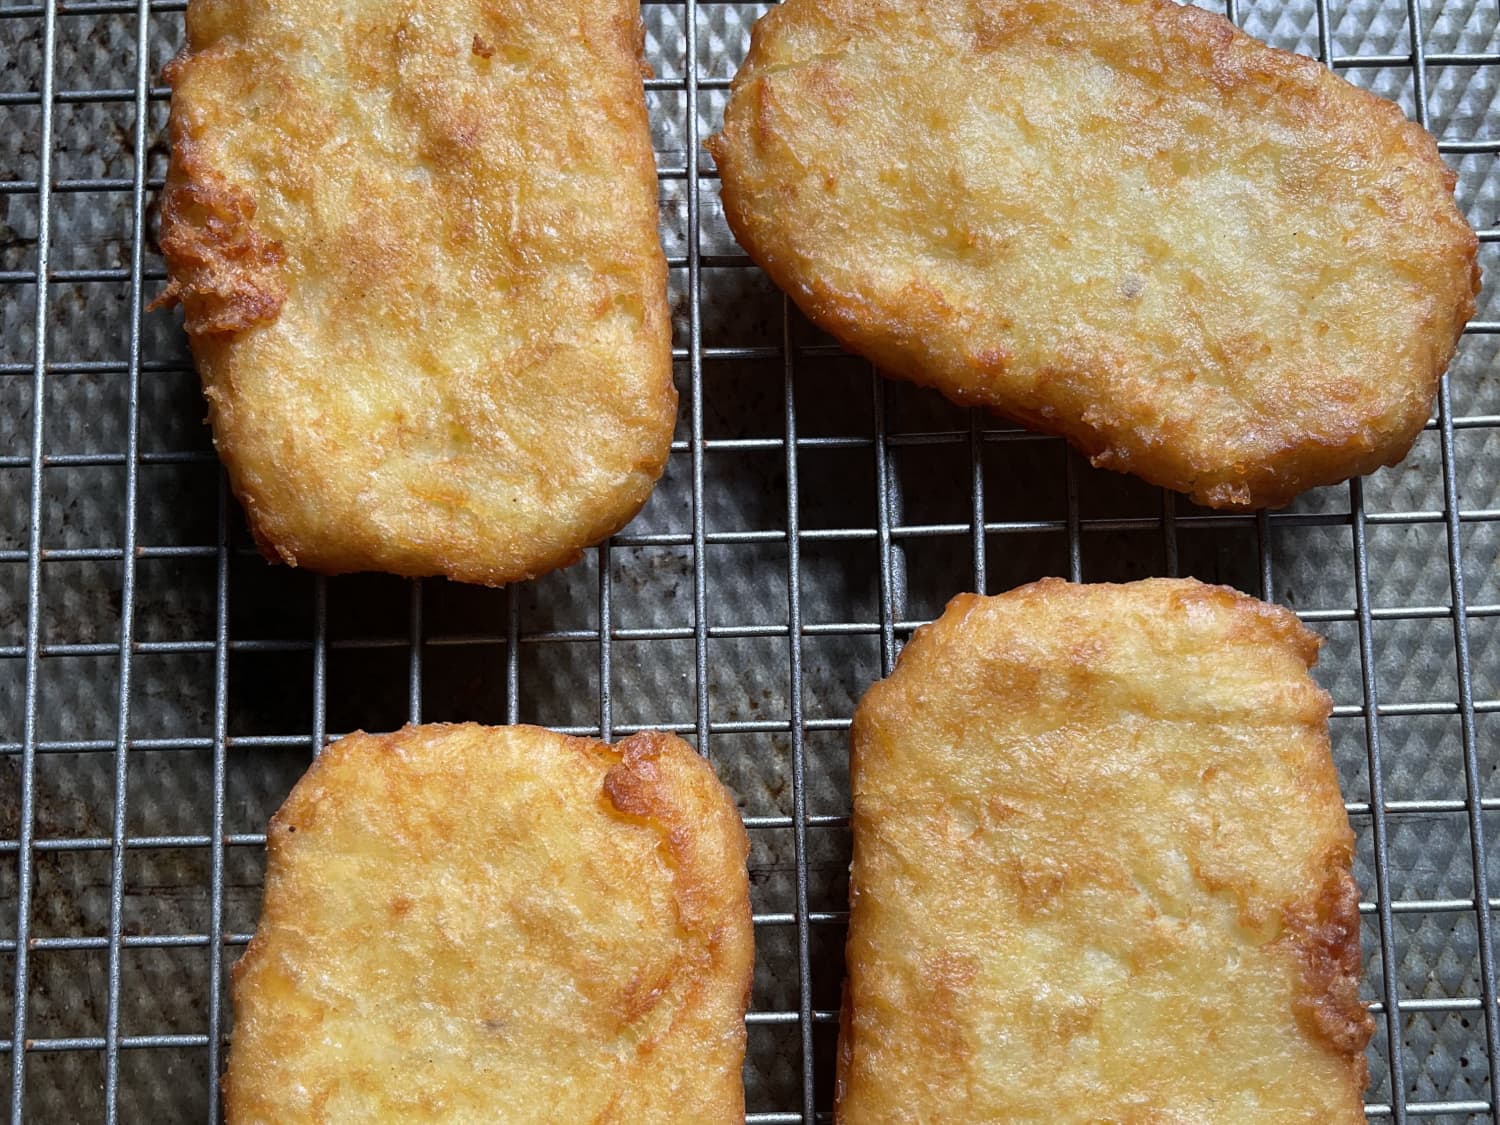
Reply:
x=161, y=688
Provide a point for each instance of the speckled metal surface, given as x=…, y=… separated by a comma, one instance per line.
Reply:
x=237, y=668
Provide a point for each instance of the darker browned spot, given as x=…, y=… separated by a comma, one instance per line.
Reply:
x=1001, y=810
x=483, y=49
x=825, y=84
x=1037, y=886
x=993, y=361
x=946, y=980
x=401, y=906
x=632, y=785
x=643, y=993
x=224, y=272
x=996, y=25
x=1325, y=934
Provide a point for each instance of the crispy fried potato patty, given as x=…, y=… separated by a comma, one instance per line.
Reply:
x=1101, y=869
x=415, y=244
x=479, y=924
x=1201, y=260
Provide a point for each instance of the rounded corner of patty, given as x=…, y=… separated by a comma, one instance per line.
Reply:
x=457, y=922
x=1200, y=259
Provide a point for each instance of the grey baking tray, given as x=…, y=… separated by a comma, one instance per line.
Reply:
x=161, y=688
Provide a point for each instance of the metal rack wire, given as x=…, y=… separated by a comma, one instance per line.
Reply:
x=160, y=688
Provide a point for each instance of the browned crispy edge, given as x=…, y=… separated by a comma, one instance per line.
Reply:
x=657, y=779
x=227, y=278
x=1322, y=929
x=223, y=272
x=1235, y=58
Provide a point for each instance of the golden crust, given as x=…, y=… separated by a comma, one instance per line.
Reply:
x=415, y=244
x=475, y=924
x=1101, y=869
x=1199, y=259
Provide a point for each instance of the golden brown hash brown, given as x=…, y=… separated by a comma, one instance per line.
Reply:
x=475, y=924
x=1101, y=869
x=1201, y=260
x=415, y=243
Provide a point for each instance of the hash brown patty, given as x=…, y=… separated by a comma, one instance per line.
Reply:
x=1204, y=261
x=1101, y=869
x=480, y=924
x=415, y=243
